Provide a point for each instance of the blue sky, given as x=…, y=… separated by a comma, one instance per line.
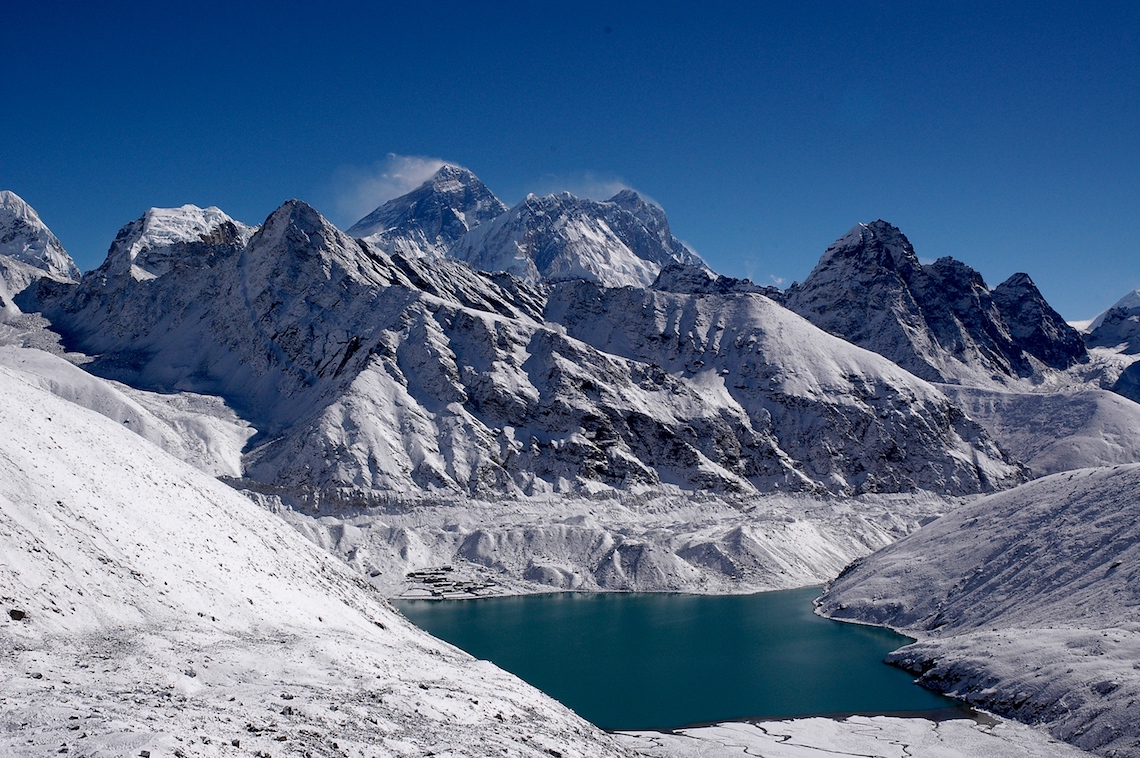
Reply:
x=1001, y=134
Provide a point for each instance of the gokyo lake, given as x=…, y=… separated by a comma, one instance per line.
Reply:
x=662, y=661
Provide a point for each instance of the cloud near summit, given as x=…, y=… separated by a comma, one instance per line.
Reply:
x=360, y=190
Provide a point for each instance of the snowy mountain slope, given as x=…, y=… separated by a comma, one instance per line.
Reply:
x=1118, y=327
x=25, y=238
x=1057, y=431
x=430, y=219
x=1024, y=602
x=865, y=736
x=823, y=408
x=196, y=429
x=939, y=321
x=374, y=373
x=621, y=242
x=648, y=543
x=148, y=607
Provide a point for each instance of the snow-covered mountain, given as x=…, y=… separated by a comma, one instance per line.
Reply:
x=28, y=251
x=25, y=238
x=149, y=609
x=376, y=373
x=621, y=242
x=1118, y=327
x=939, y=321
x=624, y=241
x=1023, y=602
x=1069, y=428
x=432, y=218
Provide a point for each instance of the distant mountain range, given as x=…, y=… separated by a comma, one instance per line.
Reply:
x=564, y=344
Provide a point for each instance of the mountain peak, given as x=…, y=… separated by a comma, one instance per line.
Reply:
x=25, y=238
x=939, y=321
x=620, y=242
x=878, y=242
x=432, y=217
x=144, y=247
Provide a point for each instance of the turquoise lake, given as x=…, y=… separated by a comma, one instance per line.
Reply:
x=661, y=661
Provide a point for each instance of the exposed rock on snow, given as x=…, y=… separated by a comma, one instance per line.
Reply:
x=939, y=321
x=432, y=218
x=377, y=373
x=28, y=252
x=149, y=608
x=818, y=407
x=25, y=238
x=1024, y=603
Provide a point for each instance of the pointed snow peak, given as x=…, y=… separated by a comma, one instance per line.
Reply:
x=430, y=218
x=299, y=224
x=1119, y=326
x=25, y=238
x=151, y=244
x=449, y=172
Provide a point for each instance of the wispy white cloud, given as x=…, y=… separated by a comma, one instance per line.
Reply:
x=777, y=280
x=360, y=190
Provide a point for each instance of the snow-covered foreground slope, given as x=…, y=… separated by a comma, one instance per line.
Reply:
x=147, y=607
x=197, y=429
x=867, y=737
x=1024, y=602
x=1056, y=431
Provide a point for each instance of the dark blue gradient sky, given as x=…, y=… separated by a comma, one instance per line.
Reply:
x=1005, y=135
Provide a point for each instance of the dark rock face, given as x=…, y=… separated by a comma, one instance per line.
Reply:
x=1035, y=327
x=697, y=280
x=939, y=321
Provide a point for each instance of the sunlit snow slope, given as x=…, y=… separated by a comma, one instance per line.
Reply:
x=1024, y=602
x=147, y=607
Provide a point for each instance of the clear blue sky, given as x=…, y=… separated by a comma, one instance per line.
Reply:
x=1005, y=135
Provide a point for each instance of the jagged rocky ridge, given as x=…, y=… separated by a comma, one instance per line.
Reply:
x=939, y=321
x=374, y=372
